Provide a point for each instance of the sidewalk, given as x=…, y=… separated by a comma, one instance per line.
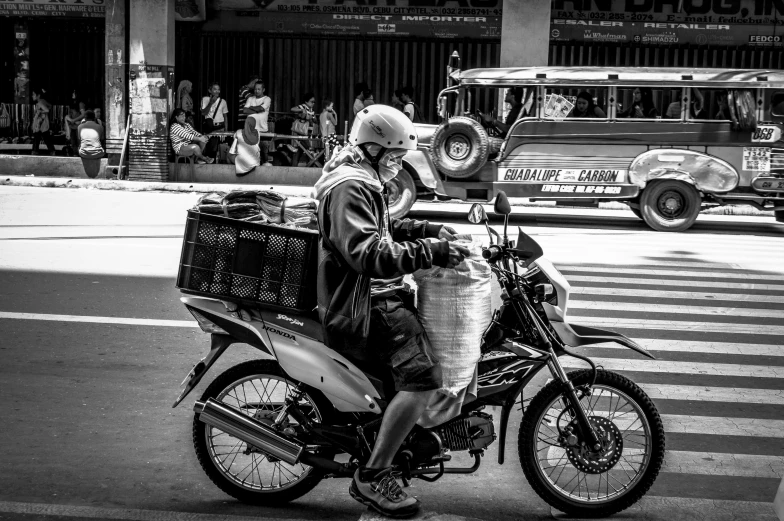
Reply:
x=305, y=191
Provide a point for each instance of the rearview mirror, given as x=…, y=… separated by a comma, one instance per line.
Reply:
x=502, y=205
x=477, y=214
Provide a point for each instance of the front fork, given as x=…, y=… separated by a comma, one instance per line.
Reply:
x=586, y=429
x=589, y=435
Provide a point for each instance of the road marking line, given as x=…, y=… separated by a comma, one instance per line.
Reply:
x=689, y=368
x=678, y=325
x=691, y=295
x=85, y=512
x=662, y=308
x=98, y=320
x=674, y=508
x=670, y=273
x=660, y=282
x=713, y=394
x=722, y=464
x=689, y=346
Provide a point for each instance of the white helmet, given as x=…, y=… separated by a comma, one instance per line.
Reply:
x=383, y=125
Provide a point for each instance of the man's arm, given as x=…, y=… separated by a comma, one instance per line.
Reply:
x=205, y=105
x=410, y=230
x=354, y=232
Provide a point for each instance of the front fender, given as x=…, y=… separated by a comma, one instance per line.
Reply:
x=706, y=173
x=419, y=164
x=575, y=335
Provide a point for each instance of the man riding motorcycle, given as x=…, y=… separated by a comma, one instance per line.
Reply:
x=364, y=309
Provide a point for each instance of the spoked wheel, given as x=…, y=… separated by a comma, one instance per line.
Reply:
x=259, y=389
x=585, y=481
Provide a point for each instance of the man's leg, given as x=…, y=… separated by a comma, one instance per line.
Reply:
x=400, y=417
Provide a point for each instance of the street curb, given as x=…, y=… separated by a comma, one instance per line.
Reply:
x=295, y=190
x=144, y=186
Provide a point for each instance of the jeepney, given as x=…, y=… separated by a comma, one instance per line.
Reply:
x=713, y=137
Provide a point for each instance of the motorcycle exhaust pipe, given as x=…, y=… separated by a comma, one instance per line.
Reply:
x=250, y=431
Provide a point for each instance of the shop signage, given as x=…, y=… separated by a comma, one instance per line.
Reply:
x=761, y=12
x=61, y=8
x=372, y=7
x=701, y=22
x=184, y=11
x=664, y=32
x=479, y=27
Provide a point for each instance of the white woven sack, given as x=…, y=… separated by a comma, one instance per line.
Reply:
x=454, y=308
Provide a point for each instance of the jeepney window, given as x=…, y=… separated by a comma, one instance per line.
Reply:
x=708, y=104
x=644, y=102
x=776, y=105
x=575, y=102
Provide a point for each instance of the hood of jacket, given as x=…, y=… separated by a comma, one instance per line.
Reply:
x=346, y=164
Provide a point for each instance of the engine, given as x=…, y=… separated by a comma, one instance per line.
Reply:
x=472, y=432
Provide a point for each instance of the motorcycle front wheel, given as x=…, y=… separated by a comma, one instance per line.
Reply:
x=259, y=389
x=573, y=477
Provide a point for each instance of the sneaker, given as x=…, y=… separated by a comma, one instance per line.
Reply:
x=210, y=160
x=201, y=162
x=292, y=148
x=383, y=494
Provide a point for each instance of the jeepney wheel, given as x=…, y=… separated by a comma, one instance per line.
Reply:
x=460, y=147
x=670, y=206
x=402, y=194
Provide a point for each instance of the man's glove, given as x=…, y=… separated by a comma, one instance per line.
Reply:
x=447, y=232
x=456, y=255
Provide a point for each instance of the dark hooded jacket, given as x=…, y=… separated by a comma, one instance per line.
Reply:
x=359, y=243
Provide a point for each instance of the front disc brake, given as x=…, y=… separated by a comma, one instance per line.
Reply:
x=602, y=460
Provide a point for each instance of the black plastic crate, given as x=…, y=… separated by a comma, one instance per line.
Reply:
x=249, y=263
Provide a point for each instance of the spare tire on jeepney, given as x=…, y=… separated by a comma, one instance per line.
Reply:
x=459, y=147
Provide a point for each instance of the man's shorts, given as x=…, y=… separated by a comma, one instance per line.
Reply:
x=398, y=339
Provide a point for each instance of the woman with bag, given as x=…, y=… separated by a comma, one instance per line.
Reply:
x=304, y=116
x=41, y=129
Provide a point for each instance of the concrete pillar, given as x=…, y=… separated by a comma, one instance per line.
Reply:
x=151, y=87
x=525, y=33
x=116, y=94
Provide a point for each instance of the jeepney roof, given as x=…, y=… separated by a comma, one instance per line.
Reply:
x=624, y=76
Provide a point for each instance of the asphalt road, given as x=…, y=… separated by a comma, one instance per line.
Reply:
x=87, y=425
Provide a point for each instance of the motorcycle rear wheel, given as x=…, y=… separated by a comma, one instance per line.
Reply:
x=614, y=478
x=257, y=388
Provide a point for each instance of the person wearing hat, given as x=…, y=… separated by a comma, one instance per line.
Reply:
x=365, y=311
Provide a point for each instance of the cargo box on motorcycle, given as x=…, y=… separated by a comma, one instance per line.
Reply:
x=249, y=263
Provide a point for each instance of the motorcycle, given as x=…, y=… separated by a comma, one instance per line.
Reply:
x=267, y=431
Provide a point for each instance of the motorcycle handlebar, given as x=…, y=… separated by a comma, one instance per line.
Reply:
x=492, y=252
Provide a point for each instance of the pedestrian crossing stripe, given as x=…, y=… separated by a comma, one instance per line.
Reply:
x=694, y=293
x=722, y=312
x=666, y=274
x=673, y=282
x=679, y=325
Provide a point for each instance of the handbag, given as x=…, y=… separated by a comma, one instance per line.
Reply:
x=5, y=117
x=209, y=121
x=301, y=126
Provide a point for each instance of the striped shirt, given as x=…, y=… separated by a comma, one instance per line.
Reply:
x=181, y=135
